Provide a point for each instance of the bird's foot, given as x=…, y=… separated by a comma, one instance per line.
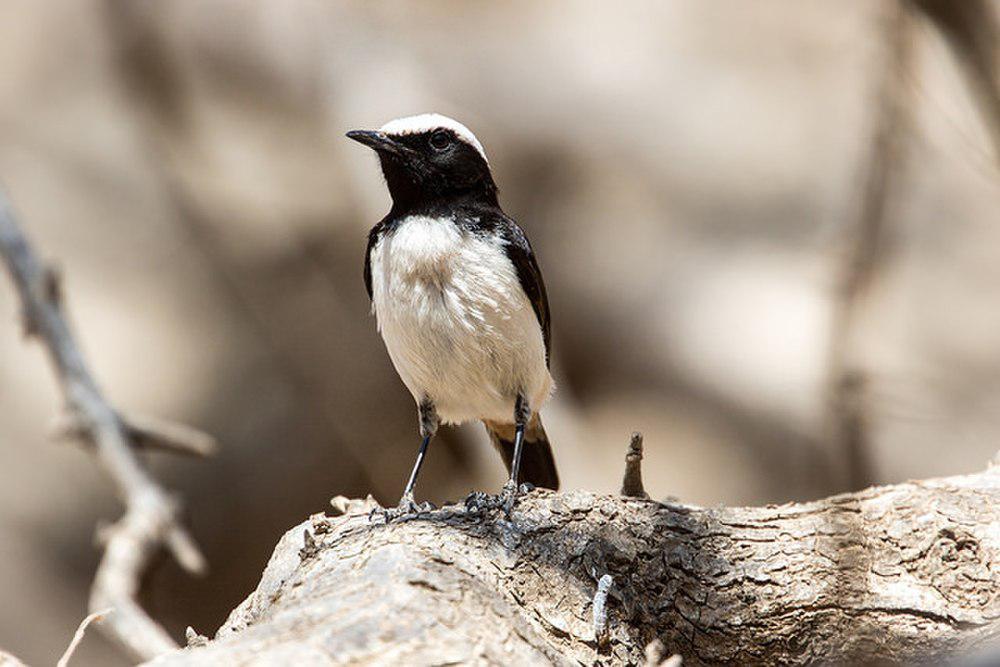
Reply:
x=407, y=508
x=508, y=497
x=478, y=502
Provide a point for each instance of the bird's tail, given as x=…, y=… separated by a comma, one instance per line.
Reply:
x=537, y=465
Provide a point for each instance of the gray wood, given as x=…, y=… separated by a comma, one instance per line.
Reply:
x=905, y=573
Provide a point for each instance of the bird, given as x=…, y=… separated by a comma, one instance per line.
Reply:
x=459, y=298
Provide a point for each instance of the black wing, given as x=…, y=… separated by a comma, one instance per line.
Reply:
x=373, y=236
x=520, y=254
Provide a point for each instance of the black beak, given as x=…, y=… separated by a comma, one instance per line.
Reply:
x=377, y=141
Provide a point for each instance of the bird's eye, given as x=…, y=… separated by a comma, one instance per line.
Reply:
x=440, y=140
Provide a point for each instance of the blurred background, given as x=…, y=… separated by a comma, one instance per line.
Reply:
x=769, y=230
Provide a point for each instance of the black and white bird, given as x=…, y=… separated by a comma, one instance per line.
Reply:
x=459, y=297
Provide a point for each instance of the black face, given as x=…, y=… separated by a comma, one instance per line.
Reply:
x=429, y=167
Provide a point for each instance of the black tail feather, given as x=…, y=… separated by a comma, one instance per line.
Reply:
x=538, y=467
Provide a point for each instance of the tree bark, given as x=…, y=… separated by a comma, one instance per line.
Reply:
x=898, y=574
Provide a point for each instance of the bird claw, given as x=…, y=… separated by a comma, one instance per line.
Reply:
x=508, y=497
x=477, y=501
x=405, y=509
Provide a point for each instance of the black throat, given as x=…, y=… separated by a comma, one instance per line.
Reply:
x=429, y=193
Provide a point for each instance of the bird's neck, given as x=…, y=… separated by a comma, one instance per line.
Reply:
x=410, y=197
x=442, y=204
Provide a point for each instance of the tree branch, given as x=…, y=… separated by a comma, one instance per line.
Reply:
x=145, y=432
x=81, y=630
x=8, y=660
x=865, y=249
x=150, y=519
x=897, y=574
x=970, y=29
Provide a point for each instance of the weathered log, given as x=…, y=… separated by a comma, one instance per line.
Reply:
x=906, y=573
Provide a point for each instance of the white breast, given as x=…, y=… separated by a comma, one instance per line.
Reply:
x=456, y=322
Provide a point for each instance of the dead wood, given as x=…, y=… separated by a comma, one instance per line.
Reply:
x=900, y=574
x=151, y=520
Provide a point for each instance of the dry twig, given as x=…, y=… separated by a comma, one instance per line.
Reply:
x=632, y=482
x=866, y=240
x=970, y=28
x=78, y=636
x=144, y=432
x=8, y=660
x=150, y=520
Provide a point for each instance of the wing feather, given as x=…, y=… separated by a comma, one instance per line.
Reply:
x=521, y=255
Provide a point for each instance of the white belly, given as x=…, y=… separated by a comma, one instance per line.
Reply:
x=459, y=328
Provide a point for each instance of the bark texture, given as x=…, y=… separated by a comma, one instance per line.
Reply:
x=906, y=573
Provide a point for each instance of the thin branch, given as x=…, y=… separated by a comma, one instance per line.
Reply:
x=145, y=432
x=150, y=521
x=8, y=660
x=866, y=241
x=970, y=29
x=79, y=634
x=151, y=432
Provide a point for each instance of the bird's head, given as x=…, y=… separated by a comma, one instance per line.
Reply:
x=428, y=159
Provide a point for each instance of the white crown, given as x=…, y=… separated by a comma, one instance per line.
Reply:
x=432, y=121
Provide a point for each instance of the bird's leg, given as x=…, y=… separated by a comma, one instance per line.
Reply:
x=522, y=413
x=428, y=427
